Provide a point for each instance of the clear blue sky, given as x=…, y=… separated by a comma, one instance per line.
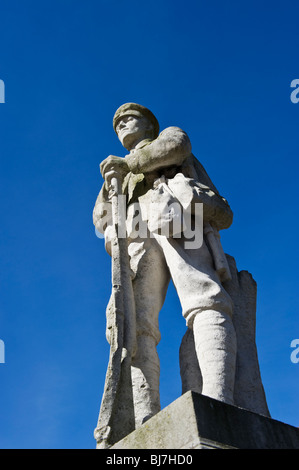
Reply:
x=222, y=72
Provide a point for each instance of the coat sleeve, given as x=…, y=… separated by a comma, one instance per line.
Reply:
x=172, y=147
x=216, y=209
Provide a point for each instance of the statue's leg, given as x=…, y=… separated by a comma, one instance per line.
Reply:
x=150, y=287
x=208, y=309
x=216, y=349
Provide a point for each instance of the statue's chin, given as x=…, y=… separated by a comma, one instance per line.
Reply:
x=130, y=139
x=126, y=141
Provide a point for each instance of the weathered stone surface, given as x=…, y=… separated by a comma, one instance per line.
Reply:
x=249, y=391
x=196, y=421
x=171, y=240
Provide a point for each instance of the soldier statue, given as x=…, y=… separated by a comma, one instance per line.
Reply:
x=160, y=167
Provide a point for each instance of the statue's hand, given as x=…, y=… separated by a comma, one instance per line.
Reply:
x=112, y=167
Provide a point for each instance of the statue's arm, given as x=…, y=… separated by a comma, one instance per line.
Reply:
x=216, y=209
x=172, y=147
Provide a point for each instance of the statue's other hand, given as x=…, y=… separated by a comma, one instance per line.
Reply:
x=113, y=166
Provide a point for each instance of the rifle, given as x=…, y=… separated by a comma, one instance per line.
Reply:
x=116, y=417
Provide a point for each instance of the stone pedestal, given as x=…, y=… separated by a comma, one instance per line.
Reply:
x=194, y=421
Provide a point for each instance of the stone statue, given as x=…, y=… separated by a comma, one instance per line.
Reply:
x=160, y=171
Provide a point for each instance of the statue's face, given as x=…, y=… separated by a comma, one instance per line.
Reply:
x=132, y=129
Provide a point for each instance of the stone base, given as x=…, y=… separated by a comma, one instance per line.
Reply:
x=195, y=421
